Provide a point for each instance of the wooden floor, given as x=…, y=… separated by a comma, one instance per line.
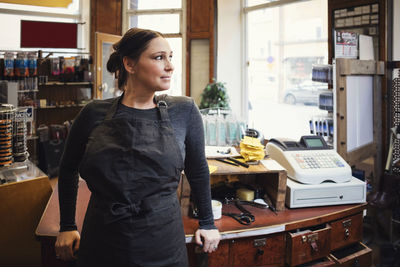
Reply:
x=53, y=182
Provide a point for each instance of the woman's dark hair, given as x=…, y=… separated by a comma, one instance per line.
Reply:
x=132, y=45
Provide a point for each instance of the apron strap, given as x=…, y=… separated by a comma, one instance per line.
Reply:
x=160, y=101
x=113, y=108
x=162, y=106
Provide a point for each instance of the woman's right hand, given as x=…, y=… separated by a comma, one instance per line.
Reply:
x=67, y=245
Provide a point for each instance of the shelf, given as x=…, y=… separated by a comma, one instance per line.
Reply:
x=60, y=107
x=65, y=83
x=356, y=15
x=358, y=27
x=28, y=91
x=32, y=137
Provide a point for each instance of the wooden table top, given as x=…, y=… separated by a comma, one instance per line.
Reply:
x=225, y=169
x=265, y=219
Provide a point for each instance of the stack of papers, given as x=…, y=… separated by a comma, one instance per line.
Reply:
x=251, y=149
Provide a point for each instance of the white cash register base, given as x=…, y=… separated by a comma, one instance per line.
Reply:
x=318, y=175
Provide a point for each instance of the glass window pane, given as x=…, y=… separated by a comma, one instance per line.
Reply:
x=258, y=2
x=283, y=43
x=176, y=82
x=154, y=4
x=165, y=23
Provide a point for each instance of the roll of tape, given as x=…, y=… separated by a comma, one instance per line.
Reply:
x=245, y=194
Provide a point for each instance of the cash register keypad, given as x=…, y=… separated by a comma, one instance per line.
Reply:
x=317, y=160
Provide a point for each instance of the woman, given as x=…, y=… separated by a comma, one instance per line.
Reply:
x=131, y=151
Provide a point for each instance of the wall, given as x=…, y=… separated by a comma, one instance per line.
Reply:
x=396, y=29
x=229, y=52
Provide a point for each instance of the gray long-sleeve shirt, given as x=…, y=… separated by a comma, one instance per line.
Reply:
x=188, y=128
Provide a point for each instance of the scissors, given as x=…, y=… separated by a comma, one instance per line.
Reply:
x=242, y=218
x=245, y=217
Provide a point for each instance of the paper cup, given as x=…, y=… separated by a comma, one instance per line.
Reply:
x=216, y=209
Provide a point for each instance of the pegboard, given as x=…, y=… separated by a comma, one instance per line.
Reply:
x=396, y=117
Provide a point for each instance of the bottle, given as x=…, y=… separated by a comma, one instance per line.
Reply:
x=221, y=130
x=232, y=130
x=211, y=131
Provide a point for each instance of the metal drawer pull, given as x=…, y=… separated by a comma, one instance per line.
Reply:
x=312, y=237
x=346, y=223
x=260, y=242
x=346, y=233
x=314, y=246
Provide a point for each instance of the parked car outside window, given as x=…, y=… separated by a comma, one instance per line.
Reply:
x=306, y=93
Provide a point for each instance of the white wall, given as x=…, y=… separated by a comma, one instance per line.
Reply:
x=229, y=53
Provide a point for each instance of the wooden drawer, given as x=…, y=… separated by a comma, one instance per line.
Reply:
x=354, y=255
x=346, y=231
x=308, y=245
x=258, y=251
x=219, y=258
x=324, y=262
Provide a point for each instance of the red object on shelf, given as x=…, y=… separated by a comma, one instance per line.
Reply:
x=41, y=34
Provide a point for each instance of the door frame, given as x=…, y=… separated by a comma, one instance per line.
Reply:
x=100, y=39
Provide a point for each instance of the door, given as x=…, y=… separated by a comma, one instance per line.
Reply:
x=106, y=85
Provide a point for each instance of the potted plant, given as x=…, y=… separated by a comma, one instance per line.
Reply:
x=214, y=96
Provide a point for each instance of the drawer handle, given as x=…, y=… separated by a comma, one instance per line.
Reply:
x=312, y=237
x=314, y=246
x=346, y=233
x=346, y=223
x=260, y=252
x=260, y=242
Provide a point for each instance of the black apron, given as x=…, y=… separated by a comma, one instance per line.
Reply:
x=132, y=166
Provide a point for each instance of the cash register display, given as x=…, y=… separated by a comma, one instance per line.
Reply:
x=313, y=142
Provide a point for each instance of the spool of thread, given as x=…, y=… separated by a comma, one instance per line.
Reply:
x=216, y=209
x=245, y=194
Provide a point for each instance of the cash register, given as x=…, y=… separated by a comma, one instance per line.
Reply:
x=318, y=175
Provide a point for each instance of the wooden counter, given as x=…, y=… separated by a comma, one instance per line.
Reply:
x=266, y=223
x=22, y=202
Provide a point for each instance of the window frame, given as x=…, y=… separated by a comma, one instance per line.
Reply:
x=127, y=13
x=245, y=10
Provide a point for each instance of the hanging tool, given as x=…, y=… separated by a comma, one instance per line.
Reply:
x=269, y=202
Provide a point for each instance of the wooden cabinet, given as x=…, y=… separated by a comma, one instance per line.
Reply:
x=308, y=245
x=290, y=237
x=264, y=250
x=355, y=255
x=346, y=231
x=23, y=199
x=268, y=241
x=59, y=102
x=366, y=17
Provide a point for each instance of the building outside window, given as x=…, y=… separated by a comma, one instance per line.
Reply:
x=283, y=42
x=167, y=18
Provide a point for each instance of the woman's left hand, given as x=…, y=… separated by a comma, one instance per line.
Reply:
x=209, y=239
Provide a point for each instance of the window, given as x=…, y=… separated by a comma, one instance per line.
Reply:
x=12, y=14
x=167, y=18
x=282, y=43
